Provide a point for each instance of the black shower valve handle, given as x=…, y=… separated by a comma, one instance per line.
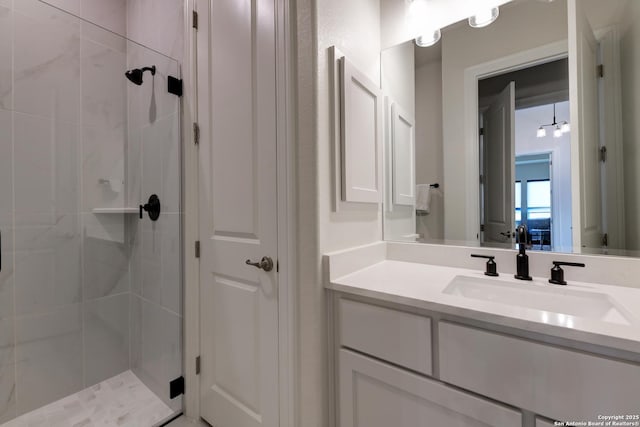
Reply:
x=152, y=207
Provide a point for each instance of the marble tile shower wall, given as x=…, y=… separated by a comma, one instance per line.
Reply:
x=84, y=297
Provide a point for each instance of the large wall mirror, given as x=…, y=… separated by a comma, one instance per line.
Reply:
x=533, y=119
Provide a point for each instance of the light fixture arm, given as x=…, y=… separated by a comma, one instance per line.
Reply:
x=555, y=123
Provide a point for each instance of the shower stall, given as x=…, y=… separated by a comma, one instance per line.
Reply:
x=90, y=224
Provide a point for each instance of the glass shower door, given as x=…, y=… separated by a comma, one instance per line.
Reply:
x=153, y=169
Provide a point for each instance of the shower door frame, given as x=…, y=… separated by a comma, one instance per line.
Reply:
x=286, y=205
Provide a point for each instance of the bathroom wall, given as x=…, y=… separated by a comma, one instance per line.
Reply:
x=354, y=27
x=429, y=157
x=157, y=24
x=7, y=311
x=65, y=315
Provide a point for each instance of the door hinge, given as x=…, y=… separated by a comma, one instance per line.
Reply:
x=481, y=131
x=194, y=20
x=198, y=365
x=196, y=133
x=481, y=227
x=197, y=248
x=600, y=70
x=481, y=179
x=174, y=86
x=603, y=154
x=605, y=239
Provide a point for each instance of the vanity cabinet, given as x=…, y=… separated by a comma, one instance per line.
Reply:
x=374, y=330
x=406, y=367
x=555, y=382
x=376, y=394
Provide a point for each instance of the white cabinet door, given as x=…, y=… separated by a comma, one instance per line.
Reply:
x=554, y=382
x=374, y=394
x=394, y=336
x=361, y=135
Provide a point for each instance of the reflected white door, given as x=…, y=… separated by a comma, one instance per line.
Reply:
x=584, y=119
x=238, y=216
x=499, y=167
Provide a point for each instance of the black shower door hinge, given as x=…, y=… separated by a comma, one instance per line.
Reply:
x=194, y=19
x=176, y=387
x=174, y=85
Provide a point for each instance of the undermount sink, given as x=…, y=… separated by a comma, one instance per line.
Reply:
x=557, y=304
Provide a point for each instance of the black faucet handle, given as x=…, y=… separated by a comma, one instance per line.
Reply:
x=557, y=273
x=492, y=267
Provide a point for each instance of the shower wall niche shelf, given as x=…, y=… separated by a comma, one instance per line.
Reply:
x=115, y=210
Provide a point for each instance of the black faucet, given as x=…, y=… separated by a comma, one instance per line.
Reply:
x=522, y=259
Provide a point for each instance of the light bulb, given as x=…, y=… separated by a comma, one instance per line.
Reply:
x=428, y=39
x=557, y=132
x=417, y=17
x=566, y=127
x=541, y=132
x=484, y=17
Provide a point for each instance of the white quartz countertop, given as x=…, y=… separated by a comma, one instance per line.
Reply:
x=422, y=286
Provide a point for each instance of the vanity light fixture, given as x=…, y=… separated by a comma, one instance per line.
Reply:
x=428, y=39
x=484, y=17
x=558, y=129
x=418, y=21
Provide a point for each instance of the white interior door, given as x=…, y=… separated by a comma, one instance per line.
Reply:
x=584, y=119
x=499, y=167
x=238, y=212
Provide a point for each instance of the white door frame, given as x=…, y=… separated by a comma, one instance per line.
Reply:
x=286, y=205
x=524, y=59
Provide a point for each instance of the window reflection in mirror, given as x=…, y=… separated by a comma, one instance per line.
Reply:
x=516, y=128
